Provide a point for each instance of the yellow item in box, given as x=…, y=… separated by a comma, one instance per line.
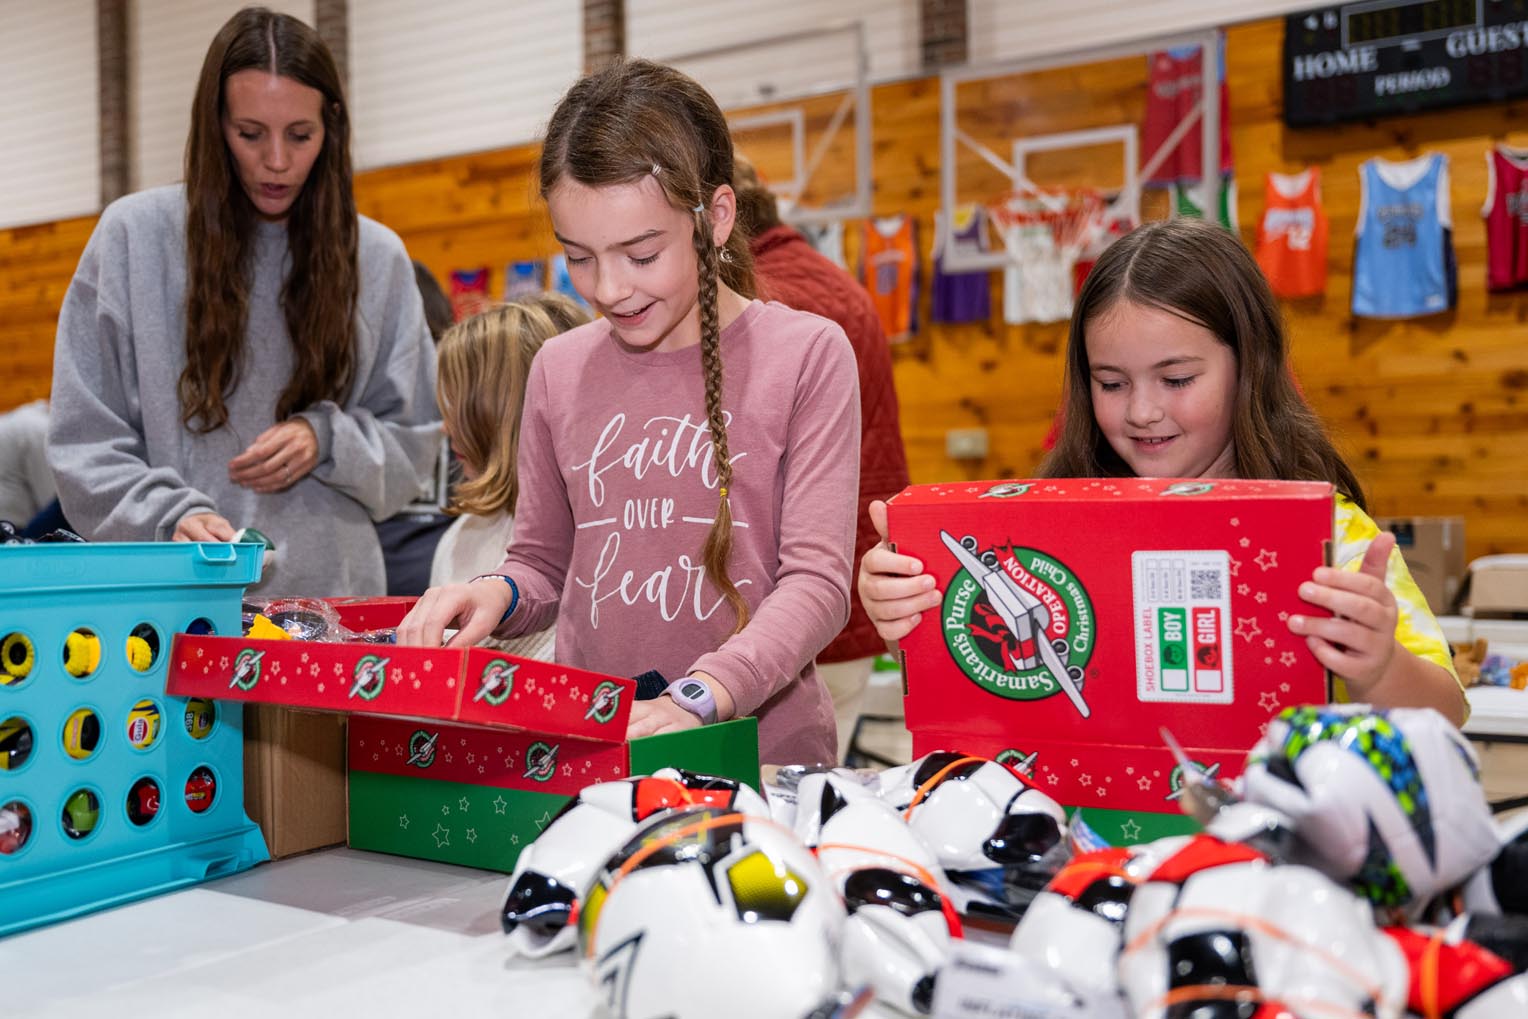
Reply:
x=263, y=629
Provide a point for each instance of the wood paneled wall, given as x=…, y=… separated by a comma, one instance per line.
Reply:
x=1432, y=412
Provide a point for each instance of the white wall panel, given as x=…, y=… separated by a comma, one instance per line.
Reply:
x=1013, y=29
x=50, y=162
x=167, y=43
x=663, y=29
x=431, y=80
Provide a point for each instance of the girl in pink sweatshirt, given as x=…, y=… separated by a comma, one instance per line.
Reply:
x=689, y=462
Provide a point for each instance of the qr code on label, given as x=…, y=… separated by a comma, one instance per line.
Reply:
x=1204, y=584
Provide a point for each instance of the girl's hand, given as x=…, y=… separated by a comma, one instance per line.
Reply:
x=474, y=608
x=661, y=714
x=893, y=588
x=1358, y=642
x=279, y=457
x=203, y=527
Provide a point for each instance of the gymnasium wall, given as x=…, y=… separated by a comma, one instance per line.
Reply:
x=1431, y=412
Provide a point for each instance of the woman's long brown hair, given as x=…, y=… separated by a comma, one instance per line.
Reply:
x=637, y=119
x=318, y=297
x=1204, y=274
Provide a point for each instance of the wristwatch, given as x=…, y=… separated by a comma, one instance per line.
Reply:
x=695, y=697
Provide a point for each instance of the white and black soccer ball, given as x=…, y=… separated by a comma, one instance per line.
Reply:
x=990, y=830
x=1475, y=968
x=705, y=913
x=1386, y=801
x=1217, y=931
x=552, y=872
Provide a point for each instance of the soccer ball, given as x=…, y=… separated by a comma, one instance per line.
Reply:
x=901, y=920
x=1219, y=930
x=553, y=871
x=705, y=913
x=1502, y=885
x=1481, y=960
x=990, y=830
x=1388, y=802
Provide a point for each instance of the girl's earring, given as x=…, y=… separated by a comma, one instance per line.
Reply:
x=726, y=256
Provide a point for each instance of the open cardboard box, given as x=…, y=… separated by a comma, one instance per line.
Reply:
x=1082, y=617
x=456, y=755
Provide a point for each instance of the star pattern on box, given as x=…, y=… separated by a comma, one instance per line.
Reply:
x=499, y=804
x=514, y=840
x=1283, y=617
x=1244, y=589
x=1288, y=660
x=403, y=821
x=1244, y=542
x=1261, y=597
x=471, y=834
x=445, y=808
x=429, y=665
x=463, y=805
x=1269, y=642
x=1143, y=783
x=1053, y=778
x=1247, y=628
x=1235, y=567
x=442, y=836
x=1267, y=559
x=1084, y=780
x=544, y=820
x=1236, y=521
x=1268, y=701
x=1284, y=687
x=1130, y=830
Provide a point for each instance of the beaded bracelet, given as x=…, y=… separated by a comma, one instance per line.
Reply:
x=514, y=593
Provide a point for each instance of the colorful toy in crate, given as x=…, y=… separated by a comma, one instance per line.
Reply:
x=201, y=790
x=143, y=801
x=82, y=733
x=15, y=827
x=17, y=657
x=1388, y=802
x=200, y=714
x=552, y=872
x=143, y=724
x=704, y=913
x=15, y=743
x=82, y=811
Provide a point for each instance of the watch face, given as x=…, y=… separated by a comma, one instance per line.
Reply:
x=692, y=690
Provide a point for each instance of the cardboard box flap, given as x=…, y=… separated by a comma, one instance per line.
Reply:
x=477, y=686
x=1497, y=585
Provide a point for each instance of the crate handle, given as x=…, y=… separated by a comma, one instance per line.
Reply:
x=216, y=552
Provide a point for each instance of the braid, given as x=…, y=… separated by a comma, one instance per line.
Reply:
x=718, y=547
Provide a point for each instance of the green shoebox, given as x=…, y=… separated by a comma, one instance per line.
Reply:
x=476, y=797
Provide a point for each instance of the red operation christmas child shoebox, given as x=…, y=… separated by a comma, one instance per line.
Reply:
x=1082, y=617
x=457, y=756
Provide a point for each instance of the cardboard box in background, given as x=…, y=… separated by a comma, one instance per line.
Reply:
x=1498, y=586
x=1433, y=548
x=1081, y=617
x=294, y=776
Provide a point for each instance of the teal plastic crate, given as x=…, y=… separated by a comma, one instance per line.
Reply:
x=54, y=600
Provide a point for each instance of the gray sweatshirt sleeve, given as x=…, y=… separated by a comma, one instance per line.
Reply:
x=96, y=444
x=380, y=447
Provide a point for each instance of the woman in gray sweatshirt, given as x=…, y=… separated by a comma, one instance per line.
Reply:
x=244, y=350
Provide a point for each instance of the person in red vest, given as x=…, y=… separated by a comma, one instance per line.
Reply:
x=789, y=270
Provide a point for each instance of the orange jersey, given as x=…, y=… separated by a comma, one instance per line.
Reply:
x=889, y=270
x=1292, y=236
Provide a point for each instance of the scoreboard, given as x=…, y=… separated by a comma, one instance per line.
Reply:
x=1379, y=58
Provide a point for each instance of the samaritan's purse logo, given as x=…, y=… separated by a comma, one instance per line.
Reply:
x=1021, y=616
x=541, y=761
x=370, y=677
x=604, y=703
x=422, y=748
x=246, y=669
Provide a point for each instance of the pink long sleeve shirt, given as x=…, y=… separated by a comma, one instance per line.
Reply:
x=618, y=489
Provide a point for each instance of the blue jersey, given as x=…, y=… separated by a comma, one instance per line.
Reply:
x=1403, y=259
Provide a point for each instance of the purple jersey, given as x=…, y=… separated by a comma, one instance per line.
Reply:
x=963, y=296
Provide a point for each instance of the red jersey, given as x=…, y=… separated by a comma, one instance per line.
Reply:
x=1292, y=235
x=1506, y=216
x=1176, y=82
x=889, y=268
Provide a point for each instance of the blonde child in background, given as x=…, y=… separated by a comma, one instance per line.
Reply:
x=1177, y=367
x=483, y=363
x=689, y=462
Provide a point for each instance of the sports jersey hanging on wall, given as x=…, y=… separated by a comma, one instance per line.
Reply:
x=961, y=296
x=1188, y=200
x=1292, y=235
x=524, y=279
x=1175, y=83
x=469, y=292
x=828, y=239
x=1403, y=261
x=889, y=270
x=1506, y=216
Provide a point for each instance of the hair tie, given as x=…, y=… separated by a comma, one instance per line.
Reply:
x=701, y=207
x=724, y=493
x=656, y=168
